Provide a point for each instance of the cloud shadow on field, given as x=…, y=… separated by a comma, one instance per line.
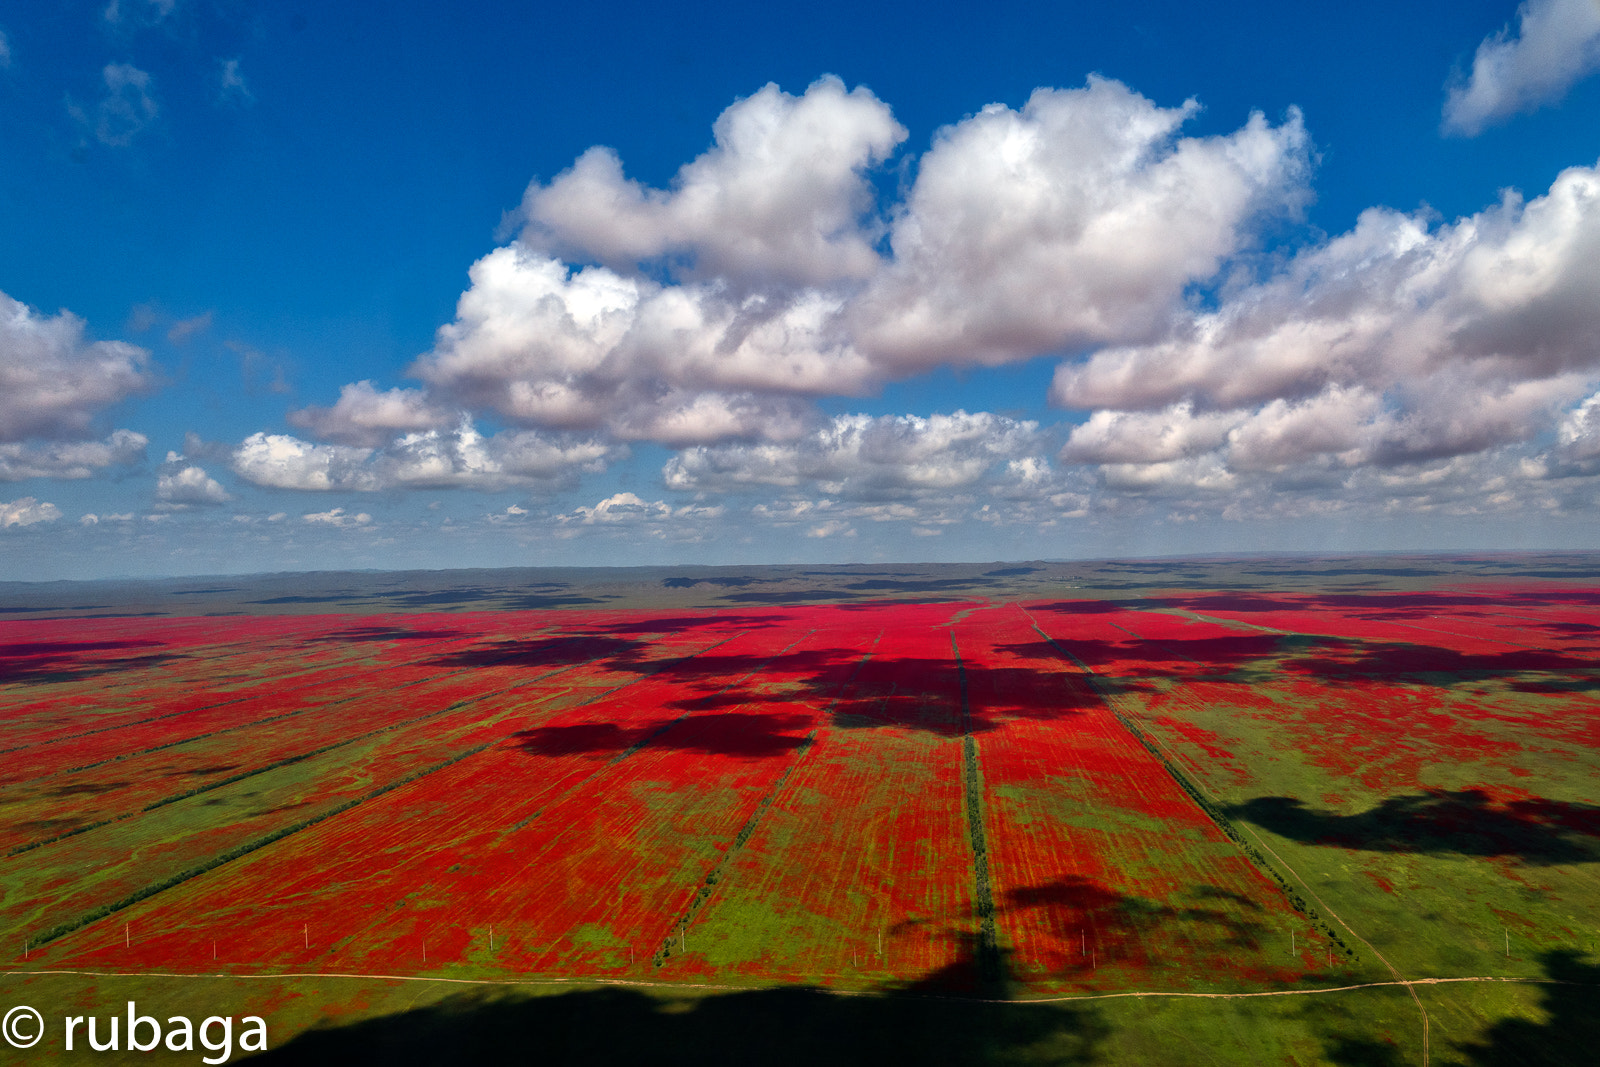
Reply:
x=377, y=634
x=1216, y=655
x=1081, y=607
x=1467, y=822
x=1555, y=686
x=908, y=692
x=1570, y=1034
x=1346, y=1051
x=72, y=648
x=722, y=734
x=66, y=661
x=81, y=789
x=1352, y=662
x=800, y=596
x=471, y=597
x=1078, y=910
x=663, y=624
x=1572, y=629
x=721, y=582
x=1328, y=659
x=801, y=1026
x=905, y=692
x=1378, y=606
x=550, y=652
x=926, y=585
x=1388, y=572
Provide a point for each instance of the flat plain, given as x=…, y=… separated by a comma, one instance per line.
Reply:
x=1271, y=810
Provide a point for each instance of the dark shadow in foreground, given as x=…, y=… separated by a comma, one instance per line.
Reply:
x=1569, y=1033
x=776, y=1026
x=1467, y=822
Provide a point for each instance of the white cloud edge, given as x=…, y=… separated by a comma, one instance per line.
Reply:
x=1557, y=43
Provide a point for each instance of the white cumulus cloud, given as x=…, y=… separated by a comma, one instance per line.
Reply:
x=188, y=486
x=780, y=196
x=768, y=273
x=25, y=511
x=1078, y=220
x=1395, y=342
x=541, y=344
x=620, y=507
x=69, y=459
x=1409, y=363
x=460, y=458
x=53, y=381
x=55, y=387
x=1557, y=42
x=1579, y=432
x=336, y=517
x=831, y=528
x=863, y=456
x=630, y=509
x=364, y=416
x=1147, y=436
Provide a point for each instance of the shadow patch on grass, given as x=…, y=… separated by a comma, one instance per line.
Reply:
x=1467, y=822
x=1570, y=1034
x=777, y=1027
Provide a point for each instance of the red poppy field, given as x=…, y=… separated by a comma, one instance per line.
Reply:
x=996, y=800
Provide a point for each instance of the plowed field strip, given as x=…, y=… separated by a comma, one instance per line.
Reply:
x=375, y=855
x=598, y=838
x=708, y=886
x=245, y=849
x=851, y=866
x=287, y=761
x=117, y=692
x=220, y=731
x=114, y=862
x=310, y=676
x=391, y=683
x=213, y=863
x=274, y=688
x=396, y=853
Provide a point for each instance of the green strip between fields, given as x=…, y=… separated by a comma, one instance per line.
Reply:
x=61, y=930
x=991, y=969
x=747, y=831
x=289, y=761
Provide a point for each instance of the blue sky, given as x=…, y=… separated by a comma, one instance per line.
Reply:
x=614, y=284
